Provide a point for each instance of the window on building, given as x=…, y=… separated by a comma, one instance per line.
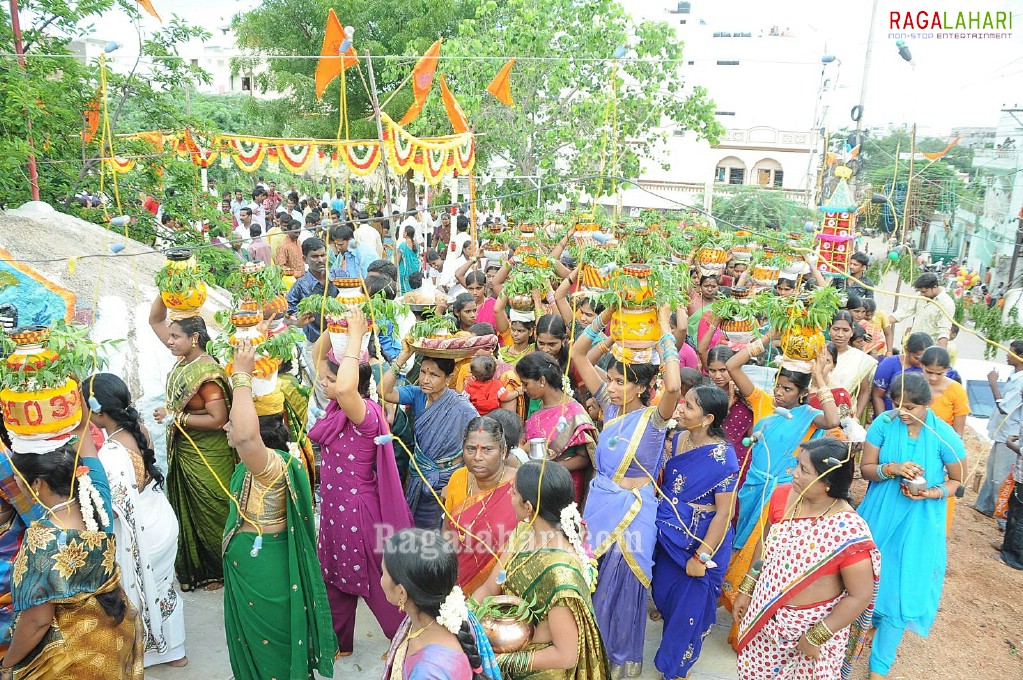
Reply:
x=690, y=62
x=736, y=175
x=719, y=174
x=683, y=8
x=195, y=62
x=682, y=21
x=764, y=177
x=246, y=84
x=728, y=62
x=724, y=113
x=778, y=177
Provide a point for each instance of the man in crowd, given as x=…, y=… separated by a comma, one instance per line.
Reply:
x=932, y=316
x=258, y=211
x=857, y=267
x=370, y=247
x=343, y=262
x=244, y=222
x=238, y=203
x=289, y=250
x=259, y=249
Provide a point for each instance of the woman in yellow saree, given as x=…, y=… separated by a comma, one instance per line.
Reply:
x=73, y=619
x=546, y=562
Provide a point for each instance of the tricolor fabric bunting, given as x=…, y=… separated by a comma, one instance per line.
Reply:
x=434, y=157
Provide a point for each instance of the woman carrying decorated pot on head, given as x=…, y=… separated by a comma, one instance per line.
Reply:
x=199, y=459
x=621, y=507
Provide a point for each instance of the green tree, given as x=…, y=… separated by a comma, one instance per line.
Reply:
x=577, y=113
x=286, y=28
x=759, y=209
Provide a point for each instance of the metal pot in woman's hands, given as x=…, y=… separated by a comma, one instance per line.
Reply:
x=917, y=485
x=537, y=449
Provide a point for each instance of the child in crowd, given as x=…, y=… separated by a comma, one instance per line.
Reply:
x=434, y=264
x=486, y=392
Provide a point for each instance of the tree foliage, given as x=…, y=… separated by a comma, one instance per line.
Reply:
x=577, y=113
x=760, y=209
x=286, y=28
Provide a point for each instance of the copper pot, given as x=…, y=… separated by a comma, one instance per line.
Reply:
x=506, y=634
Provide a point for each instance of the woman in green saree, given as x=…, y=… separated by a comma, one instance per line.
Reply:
x=546, y=561
x=276, y=613
x=199, y=459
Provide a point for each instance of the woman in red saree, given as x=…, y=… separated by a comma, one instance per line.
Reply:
x=795, y=614
x=561, y=421
x=478, y=500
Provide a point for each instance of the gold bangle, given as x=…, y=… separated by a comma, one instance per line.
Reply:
x=239, y=380
x=819, y=634
x=748, y=585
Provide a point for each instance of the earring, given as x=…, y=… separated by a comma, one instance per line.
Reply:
x=195, y=342
x=401, y=601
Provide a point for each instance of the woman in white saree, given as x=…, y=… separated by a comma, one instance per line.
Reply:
x=145, y=526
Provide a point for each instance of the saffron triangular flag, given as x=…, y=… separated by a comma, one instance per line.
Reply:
x=148, y=6
x=422, y=81
x=331, y=62
x=451, y=105
x=939, y=154
x=500, y=86
x=91, y=119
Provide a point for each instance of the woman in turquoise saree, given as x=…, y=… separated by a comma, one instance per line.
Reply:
x=908, y=523
x=276, y=613
x=621, y=507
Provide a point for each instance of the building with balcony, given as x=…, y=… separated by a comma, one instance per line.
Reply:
x=767, y=85
x=990, y=227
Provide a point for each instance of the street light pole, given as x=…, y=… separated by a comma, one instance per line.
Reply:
x=19, y=49
x=866, y=72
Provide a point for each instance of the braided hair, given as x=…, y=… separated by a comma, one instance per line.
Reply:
x=424, y=562
x=114, y=399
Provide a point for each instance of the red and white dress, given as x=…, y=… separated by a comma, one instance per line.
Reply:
x=798, y=552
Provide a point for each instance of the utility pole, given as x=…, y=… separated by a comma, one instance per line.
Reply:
x=866, y=72
x=905, y=209
x=1015, y=253
x=19, y=49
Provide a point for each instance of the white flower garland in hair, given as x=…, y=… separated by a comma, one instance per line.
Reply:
x=453, y=611
x=571, y=524
x=90, y=501
x=569, y=391
x=294, y=450
x=373, y=393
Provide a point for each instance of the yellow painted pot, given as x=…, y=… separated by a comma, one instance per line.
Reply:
x=190, y=301
x=42, y=414
x=803, y=343
x=635, y=328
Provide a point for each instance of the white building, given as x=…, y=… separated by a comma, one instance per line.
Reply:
x=991, y=227
x=769, y=87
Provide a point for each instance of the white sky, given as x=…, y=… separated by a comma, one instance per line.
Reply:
x=951, y=83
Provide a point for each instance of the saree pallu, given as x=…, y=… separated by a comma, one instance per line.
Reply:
x=575, y=436
x=771, y=628
x=554, y=579
x=483, y=523
x=737, y=425
x=689, y=604
x=276, y=614
x=199, y=468
x=146, y=533
x=439, y=429
x=69, y=568
x=910, y=533
x=622, y=528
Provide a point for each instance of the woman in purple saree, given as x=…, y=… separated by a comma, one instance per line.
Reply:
x=362, y=499
x=621, y=507
x=694, y=532
x=440, y=415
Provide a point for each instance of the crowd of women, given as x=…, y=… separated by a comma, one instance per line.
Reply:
x=658, y=486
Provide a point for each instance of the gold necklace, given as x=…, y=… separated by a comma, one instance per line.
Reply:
x=413, y=635
x=182, y=366
x=818, y=517
x=468, y=494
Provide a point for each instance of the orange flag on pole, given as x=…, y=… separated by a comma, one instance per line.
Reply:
x=331, y=62
x=148, y=6
x=422, y=81
x=500, y=86
x=92, y=113
x=451, y=105
x=939, y=154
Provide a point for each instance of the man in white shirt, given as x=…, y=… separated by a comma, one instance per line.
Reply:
x=1004, y=423
x=238, y=203
x=932, y=316
x=244, y=222
x=258, y=212
x=293, y=210
x=371, y=247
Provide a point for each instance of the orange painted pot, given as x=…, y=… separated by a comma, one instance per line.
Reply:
x=590, y=277
x=712, y=256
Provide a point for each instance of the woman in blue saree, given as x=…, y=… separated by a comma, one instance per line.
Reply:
x=694, y=530
x=908, y=525
x=621, y=507
x=440, y=415
x=781, y=422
